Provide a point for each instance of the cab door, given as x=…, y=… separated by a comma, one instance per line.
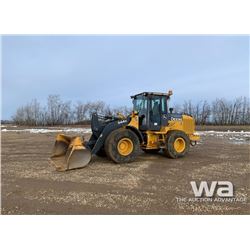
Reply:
x=158, y=115
x=155, y=113
x=141, y=106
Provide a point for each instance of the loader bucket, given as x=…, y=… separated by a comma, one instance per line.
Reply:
x=61, y=145
x=70, y=153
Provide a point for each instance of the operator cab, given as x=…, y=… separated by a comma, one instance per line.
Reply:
x=152, y=109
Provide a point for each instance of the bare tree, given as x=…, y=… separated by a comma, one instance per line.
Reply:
x=54, y=105
x=226, y=112
x=81, y=111
x=96, y=107
x=58, y=112
x=220, y=111
x=122, y=109
x=205, y=113
x=177, y=108
x=29, y=114
x=245, y=112
x=188, y=107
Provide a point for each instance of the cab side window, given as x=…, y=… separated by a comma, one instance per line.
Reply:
x=140, y=104
x=163, y=104
x=155, y=110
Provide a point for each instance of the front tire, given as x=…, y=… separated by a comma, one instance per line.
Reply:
x=177, y=144
x=122, y=145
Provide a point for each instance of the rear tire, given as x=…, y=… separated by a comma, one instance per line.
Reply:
x=122, y=145
x=177, y=144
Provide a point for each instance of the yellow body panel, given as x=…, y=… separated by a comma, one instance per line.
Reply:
x=187, y=125
x=134, y=120
x=156, y=139
x=153, y=140
x=194, y=137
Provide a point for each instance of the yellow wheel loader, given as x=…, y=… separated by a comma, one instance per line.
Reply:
x=150, y=127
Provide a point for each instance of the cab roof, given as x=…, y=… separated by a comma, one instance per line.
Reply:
x=150, y=94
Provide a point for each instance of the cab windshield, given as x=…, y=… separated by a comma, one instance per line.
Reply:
x=140, y=103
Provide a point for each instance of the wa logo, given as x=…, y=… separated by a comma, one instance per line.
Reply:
x=221, y=188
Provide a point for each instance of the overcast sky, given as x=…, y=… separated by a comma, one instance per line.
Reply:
x=111, y=68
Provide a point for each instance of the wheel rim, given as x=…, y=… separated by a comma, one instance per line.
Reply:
x=179, y=144
x=125, y=146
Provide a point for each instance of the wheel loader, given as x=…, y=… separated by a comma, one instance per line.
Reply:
x=150, y=127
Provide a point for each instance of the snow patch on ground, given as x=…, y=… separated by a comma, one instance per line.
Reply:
x=223, y=133
x=5, y=126
x=232, y=136
x=49, y=130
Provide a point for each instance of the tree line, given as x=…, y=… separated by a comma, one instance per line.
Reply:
x=59, y=112
x=219, y=112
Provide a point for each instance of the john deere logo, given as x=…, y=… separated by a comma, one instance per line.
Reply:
x=123, y=121
x=175, y=119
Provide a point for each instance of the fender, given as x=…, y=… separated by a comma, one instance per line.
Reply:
x=137, y=132
x=104, y=134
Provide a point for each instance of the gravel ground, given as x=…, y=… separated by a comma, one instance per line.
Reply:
x=153, y=184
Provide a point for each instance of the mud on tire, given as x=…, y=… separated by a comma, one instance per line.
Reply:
x=113, y=140
x=170, y=150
